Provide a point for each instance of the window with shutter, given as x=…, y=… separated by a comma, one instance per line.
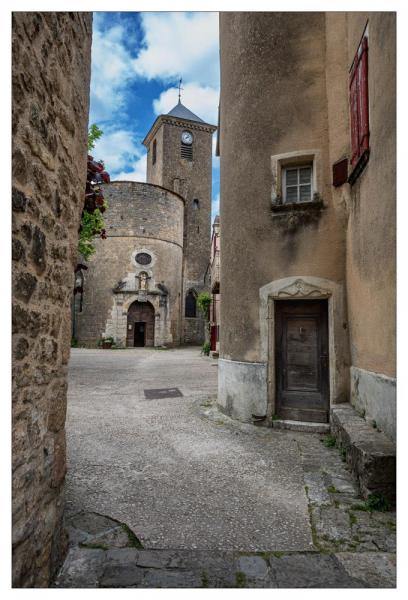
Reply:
x=359, y=117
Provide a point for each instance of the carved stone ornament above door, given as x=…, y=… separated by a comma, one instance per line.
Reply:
x=301, y=289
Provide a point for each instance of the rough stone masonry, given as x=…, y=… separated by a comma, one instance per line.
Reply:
x=51, y=73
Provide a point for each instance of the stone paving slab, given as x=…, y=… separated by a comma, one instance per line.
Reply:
x=131, y=569
x=131, y=566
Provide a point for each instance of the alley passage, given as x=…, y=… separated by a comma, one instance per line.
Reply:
x=177, y=479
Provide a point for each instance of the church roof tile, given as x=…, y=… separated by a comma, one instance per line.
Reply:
x=181, y=112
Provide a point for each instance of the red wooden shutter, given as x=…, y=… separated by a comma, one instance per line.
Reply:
x=359, y=103
x=354, y=115
x=363, y=97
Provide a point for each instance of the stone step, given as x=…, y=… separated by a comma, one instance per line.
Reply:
x=306, y=426
x=370, y=454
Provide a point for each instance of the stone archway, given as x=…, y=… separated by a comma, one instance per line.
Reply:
x=140, y=324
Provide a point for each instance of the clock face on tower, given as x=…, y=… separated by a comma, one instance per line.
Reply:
x=187, y=137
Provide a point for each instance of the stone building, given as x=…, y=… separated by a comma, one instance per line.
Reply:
x=51, y=55
x=308, y=215
x=141, y=286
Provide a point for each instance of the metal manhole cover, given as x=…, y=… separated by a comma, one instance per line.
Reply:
x=157, y=394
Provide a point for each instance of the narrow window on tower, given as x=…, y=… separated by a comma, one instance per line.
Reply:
x=154, y=152
x=196, y=203
x=190, y=305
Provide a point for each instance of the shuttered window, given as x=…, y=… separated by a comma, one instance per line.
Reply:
x=297, y=184
x=186, y=151
x=359, y=117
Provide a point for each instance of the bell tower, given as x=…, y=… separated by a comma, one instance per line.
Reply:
x=179, y=158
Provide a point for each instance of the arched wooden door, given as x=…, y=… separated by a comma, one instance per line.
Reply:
x=140, y=325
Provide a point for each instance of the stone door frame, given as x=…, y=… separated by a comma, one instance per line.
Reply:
x=117, y=324
x=303, y=287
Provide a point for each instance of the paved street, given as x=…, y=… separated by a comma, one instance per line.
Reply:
x=203, y=493
x=178, y=480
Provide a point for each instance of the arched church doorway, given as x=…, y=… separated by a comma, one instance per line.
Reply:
x=140, y=325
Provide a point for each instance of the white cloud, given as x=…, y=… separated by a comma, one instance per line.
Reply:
x=116, y=148
x=124, y=158
x=180, y=44
x=137, y=173
x=111, y=70
x=203, y=101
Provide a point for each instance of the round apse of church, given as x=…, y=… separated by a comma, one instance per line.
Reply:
x=143, y=258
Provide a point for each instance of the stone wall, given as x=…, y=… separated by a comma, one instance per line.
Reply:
x=51, y=74
x=192, y=179
x=141, y=218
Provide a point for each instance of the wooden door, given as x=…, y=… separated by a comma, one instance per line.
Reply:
x=140, y=334
x=213, y=338
x=302, y=365
x=140, y=324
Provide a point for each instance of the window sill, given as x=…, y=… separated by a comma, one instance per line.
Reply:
x=312, y=205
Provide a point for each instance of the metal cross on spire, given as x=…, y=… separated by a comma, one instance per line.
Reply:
x=179, y=89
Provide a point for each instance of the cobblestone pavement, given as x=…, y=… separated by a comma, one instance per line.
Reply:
x=214, y=502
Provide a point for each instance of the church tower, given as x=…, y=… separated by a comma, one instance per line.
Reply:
x=179, y=158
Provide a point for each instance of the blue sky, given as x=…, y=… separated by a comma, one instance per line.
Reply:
x=137, y=60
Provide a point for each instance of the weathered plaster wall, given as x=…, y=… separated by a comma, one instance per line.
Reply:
x=51, y=73
x=259, y=246
x=369, y=206
x=371, y=232
x=140, y=217
x=303, y=65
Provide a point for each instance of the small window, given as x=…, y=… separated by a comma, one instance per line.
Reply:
x=191, y=308
x=297, y=184
x=154, y=155
x=143, y=258
x=196, y=203
x=186, y=151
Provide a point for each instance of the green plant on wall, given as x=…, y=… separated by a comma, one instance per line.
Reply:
x=92, y=223
x=94, y=133
x=203, y=303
